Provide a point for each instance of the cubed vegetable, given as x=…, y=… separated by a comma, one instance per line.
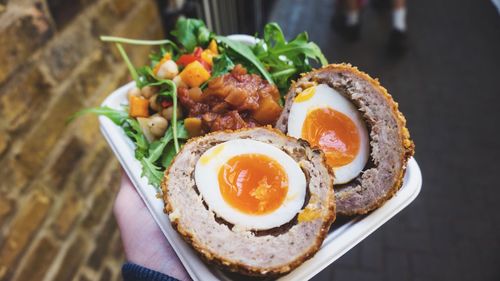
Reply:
x=138, y=106
x=186, y=59
x=197, y=52
x=236, y=97
x=268, y=111
x=193, y=126
x=195, y=94
x=166, y=103
x=194, y=74
x=213, y=47
x=207, y=56
x=205, y=64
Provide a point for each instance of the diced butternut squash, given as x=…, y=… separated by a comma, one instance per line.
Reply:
x=165, y=58
x=236, y=97
x=138, y=106
x=207, y=56
x=194, y=74
x=193, y=126
x=268, y=111
x=212, y=46
x=195, y=94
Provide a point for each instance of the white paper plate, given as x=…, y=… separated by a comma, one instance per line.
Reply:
x=340, y=239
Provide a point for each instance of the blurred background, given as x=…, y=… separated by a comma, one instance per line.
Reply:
x=439, y=59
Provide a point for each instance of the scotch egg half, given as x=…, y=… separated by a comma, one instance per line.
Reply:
x=326, y=119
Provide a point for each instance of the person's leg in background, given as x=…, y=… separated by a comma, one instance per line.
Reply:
x=353, y=25
x=399, y=15
x=398, y=39
x=347, y=19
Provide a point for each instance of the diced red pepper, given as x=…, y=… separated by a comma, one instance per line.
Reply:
x=186, y=59
x=166, y=103
x=195, y=56
x=197, y=52
x=206, y=65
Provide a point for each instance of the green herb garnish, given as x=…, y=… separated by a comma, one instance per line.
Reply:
x=222, y=65
x=153, y=164
x=117, y=116
x=191, y=33
x=246, y=53
x=286, y=60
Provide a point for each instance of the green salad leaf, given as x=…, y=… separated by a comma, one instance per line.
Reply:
x=130, y=66
x=134, y=132
x=138, y=41
x=191, y=33
x=286, y=60
x=156, y=149
x=160, y=154
x=273, y=35
x=246, y=53
x=145, y=77
x=277, y=45
x=204, y=35
x=221, y=65
x=152, y=172
x=117, y=116
x=169, y=152
x=168, y=156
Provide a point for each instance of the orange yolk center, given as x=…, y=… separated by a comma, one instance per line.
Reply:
x=253, y=183
x=334, y=132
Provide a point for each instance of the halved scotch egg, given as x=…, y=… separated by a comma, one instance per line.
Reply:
x=253, y=201
x=357, y=124
x=328, y=120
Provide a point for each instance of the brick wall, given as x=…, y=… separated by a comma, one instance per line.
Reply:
x=58, y=181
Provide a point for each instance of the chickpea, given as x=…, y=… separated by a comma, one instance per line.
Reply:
x=154, y=104
x=168, y=70
x=168, y=113
x=134, y=92
x=148, y=91
x=158, y=125
x=178, y=82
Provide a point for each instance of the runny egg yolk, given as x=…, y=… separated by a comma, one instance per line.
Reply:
x=334, y=132
x=253, y=183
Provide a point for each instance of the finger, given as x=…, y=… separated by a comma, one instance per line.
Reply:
x=127, y=200
x=143, y=241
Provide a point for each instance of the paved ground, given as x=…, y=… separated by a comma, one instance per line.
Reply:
x=448, y=86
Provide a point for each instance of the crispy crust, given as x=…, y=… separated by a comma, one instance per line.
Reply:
x=235, y=266
x=404, y=135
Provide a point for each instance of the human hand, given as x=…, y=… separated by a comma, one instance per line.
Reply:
x=143, y=241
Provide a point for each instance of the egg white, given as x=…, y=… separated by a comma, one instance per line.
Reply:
x=206, y=178
x=327, y=97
